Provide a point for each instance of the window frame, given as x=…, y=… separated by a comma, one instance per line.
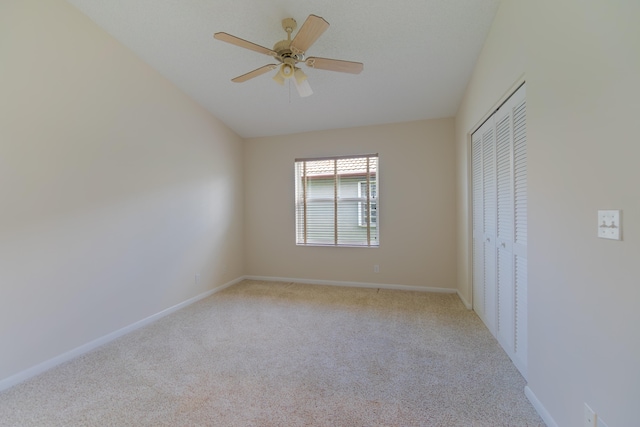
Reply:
x=362, y=205
x=337, y=170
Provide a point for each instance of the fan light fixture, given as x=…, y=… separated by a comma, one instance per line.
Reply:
x=286, y=71
x=304, y=89
x=299, y=75
x=291, y=52
x=302, y=84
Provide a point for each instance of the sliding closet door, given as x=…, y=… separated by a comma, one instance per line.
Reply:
x=499, y=183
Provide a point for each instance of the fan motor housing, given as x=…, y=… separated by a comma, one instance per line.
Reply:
x=282, y=47
x=283, y=51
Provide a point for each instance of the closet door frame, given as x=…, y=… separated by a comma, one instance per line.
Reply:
x=469, y=190
x=504, y=329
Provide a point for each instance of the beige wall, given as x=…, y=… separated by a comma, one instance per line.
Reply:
x=581, y=61
x=417, y=206
x=115, y=188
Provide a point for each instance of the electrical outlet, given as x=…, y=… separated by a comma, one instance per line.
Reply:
x=376, y=268
x=196, y=279
x=590, y=417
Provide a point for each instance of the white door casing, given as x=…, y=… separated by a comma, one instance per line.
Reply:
x=499, y=209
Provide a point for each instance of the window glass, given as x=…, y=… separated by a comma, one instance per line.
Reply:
x=333, y=206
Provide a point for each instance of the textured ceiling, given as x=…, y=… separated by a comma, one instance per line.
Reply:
x=418, y=56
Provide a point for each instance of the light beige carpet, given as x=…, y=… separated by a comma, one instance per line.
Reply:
x=284, y=354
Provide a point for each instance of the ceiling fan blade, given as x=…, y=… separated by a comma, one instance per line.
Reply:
x=312, y=28
x=335, y=65
x=244, y=43
x=255, y=73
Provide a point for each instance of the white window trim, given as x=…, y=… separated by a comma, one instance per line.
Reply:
x=372, y=239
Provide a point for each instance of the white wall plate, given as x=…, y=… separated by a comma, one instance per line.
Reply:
x=609, y=225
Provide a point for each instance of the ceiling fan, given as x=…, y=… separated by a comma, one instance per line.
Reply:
x=289, y=53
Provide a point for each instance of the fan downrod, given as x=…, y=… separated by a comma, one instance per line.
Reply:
x=282, y=47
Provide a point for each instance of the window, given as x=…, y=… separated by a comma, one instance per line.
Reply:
x=336, y=201
x=363, y=207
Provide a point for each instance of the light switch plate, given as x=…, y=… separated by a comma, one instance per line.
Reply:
x=590, y=418
x=609, y=225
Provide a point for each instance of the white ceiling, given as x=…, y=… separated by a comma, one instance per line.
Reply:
x=418, y=56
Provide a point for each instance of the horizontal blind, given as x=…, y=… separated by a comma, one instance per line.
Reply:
x=336, y=201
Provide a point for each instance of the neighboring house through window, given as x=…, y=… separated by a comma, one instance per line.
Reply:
x=367, y=212
x=333, y=206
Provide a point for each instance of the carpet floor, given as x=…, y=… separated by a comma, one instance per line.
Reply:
x=286, y=354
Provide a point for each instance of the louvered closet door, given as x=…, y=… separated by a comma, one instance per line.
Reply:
x=489, y=223
x=511, y=247
x=505, y=329
x=519, y=112
x=478, y=226
x=489, y=213
x=499, y=180
x=484, y=223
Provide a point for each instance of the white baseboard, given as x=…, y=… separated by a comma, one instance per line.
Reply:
x=464, y=301
x=542, y=411
x=85, y=348
x=353, y=284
